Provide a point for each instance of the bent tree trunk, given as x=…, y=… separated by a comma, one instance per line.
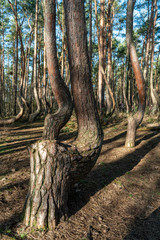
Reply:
x=55, y=167
x=135, y=120
x=15, y=118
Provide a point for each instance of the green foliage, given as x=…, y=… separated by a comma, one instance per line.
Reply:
x=26, y=17
x=23, y=235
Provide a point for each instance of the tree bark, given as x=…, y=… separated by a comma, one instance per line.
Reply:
x=23, y=57
x=44, y=97
x=89, y=130
x=13, y=119
x=109, y=63
x=2, y=73
x=90, y=34
x=135, y=120
x=55, y=167
x=100, y=36
x=35, y=114
x=63, y=42
x=110, y=93
x=154, y=95
x=124, y=84
x=0, y=82
x=146, y=60
x=54, y=122
x=16, y=62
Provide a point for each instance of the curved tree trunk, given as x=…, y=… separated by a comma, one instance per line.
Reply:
x=54, y=122
x=23, y=62
x=135, y=120
x=89, y=129
x=55, y=167
x=13, y=119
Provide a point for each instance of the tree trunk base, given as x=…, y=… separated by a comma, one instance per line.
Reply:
x=130, y=144
x=46, y=203
x=33, y=116
x=55, y=168
x=131, y=133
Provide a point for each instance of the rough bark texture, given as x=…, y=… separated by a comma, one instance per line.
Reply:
x=0, y=83
x=90, y=34
x=56, y=167
x=134, y=121
x=45, y=204
x=101, y=52
x=154, y=95
x=146, y=60
x=54, y=122
x=109, y=62
x=16, y=63
x=89, y=130
x=111, y=94
x=34, y=115
x=124, y=84
x=23, y=59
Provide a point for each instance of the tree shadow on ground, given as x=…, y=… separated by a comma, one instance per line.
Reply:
x=5, y=231
x=98, y=178
x=122, y=135
x=14, y=185
x=104, y=174
x=7, y=224
x=115, y=138
x=19, y=146
x=14, y=166
x=146, y=229
x=21, y=139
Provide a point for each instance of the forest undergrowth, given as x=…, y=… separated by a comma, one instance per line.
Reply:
x=118, y=200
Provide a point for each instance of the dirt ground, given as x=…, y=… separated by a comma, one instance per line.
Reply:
x=118, y=200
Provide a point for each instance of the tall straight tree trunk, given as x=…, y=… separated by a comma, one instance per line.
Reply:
x=100, y=36
x=44, y=97
x=143, y=47
x=0, y=81
x=90, y=34
x=13, y=78
x=16, y=63
x=124, y=83
x=34, y=115
x=154, y=95
x=8, y=87
x=135, y=120
x=156, y=71
x=101, y=53
x=55, y=167
x=2, y=77
x=27, y=65
x=146, y=60
x=63, y=42
x=109, y=62
x=39, y=82
x=23, y=58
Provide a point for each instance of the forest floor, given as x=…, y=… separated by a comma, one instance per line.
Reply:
x=118, y=200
